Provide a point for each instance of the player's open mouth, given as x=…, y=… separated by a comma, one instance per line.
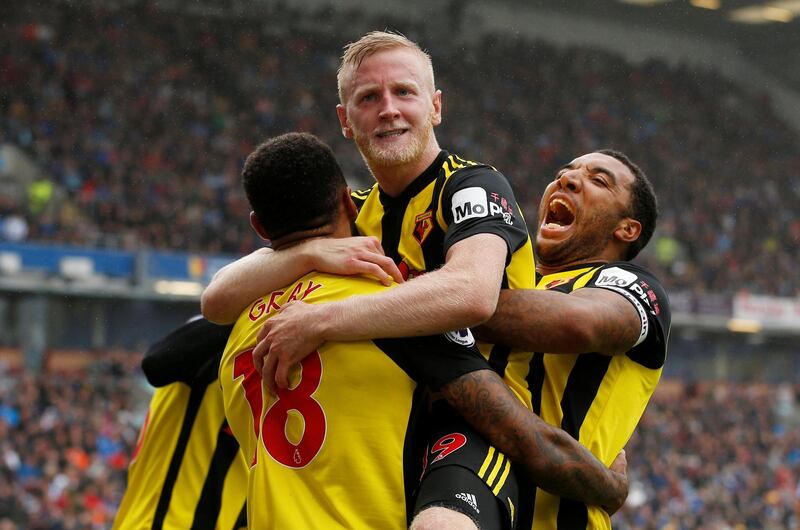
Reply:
x=560, y=214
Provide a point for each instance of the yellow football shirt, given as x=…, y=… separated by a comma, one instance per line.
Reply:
x=336, y=449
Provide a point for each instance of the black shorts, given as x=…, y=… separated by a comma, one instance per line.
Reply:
x=461, y=471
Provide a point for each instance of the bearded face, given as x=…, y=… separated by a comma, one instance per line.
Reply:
x=391, y=108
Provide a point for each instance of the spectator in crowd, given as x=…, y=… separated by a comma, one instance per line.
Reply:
x=13, y=226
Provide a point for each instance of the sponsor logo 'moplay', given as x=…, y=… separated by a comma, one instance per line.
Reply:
x=615, y=277
x=470, y=203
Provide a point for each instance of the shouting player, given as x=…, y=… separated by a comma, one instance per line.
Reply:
x=601, y=321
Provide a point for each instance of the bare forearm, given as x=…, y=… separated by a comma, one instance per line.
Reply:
x=462, y=293
x=433, y=303
x=555, y=461
x=520, y=317
x=554, y=322
x=239, y=283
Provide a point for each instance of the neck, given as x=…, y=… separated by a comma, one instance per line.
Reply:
x=611, y=252
x=295, y=238
x=394, y=179
x=551, y=268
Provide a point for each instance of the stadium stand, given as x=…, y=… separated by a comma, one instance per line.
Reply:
x=733, y=464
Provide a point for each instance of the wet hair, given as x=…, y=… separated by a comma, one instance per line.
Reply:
x=293, y=183
x=643, y=206
x=370, y=44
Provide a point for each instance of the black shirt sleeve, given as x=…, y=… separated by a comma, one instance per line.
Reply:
x=650, y=300
x=183, y=354
x=479, y=200
x=435, y=360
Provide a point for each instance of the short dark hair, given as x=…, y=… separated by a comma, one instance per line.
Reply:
x=293, y=183
x=643, y=206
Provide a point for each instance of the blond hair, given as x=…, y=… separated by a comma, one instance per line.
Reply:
x=370, y=44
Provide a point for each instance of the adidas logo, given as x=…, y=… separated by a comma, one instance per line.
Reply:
x=470, y=499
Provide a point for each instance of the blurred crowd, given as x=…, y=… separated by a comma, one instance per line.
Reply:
x=711, y=456
x=65, y=444
x=142, y=119
x=716, y=456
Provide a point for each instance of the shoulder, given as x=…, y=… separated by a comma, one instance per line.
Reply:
x=623, y=274
x=454, y=164
x=476, y=180
x=197, y=334
x=455, y=168
x=320, y=287
x=635, y=283
x=361, y=195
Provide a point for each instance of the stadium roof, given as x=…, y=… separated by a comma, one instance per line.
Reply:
x=765, y=32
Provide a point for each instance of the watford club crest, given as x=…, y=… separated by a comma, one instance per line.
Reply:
x=556, y=283
x=423, y=226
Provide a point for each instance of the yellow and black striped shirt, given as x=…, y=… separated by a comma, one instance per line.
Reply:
x=187, y=470
x=452, y=200
x=599, y=399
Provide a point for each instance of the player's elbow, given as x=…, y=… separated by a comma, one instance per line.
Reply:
x=215, y=308
x=483, y=310
x=583, y=339
x=479, y=304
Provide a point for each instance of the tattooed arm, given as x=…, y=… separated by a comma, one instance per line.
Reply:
x=555, y=461
x=535, y=320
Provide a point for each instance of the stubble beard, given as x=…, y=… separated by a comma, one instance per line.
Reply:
x=587, y=245
x=376, y=156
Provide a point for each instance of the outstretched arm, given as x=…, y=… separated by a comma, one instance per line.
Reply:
x=537, y=320
x=239, y=283
x=460, y=294
x=555, y=461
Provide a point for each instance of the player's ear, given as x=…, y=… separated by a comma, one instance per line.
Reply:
x=341, y=112
x=436, y=119
x=256, y=224
x=349, y=205
x=628, y=230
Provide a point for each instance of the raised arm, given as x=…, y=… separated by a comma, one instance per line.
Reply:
x=555, y=461
x=239, y=283
x=462, y=293
x=586, y=320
